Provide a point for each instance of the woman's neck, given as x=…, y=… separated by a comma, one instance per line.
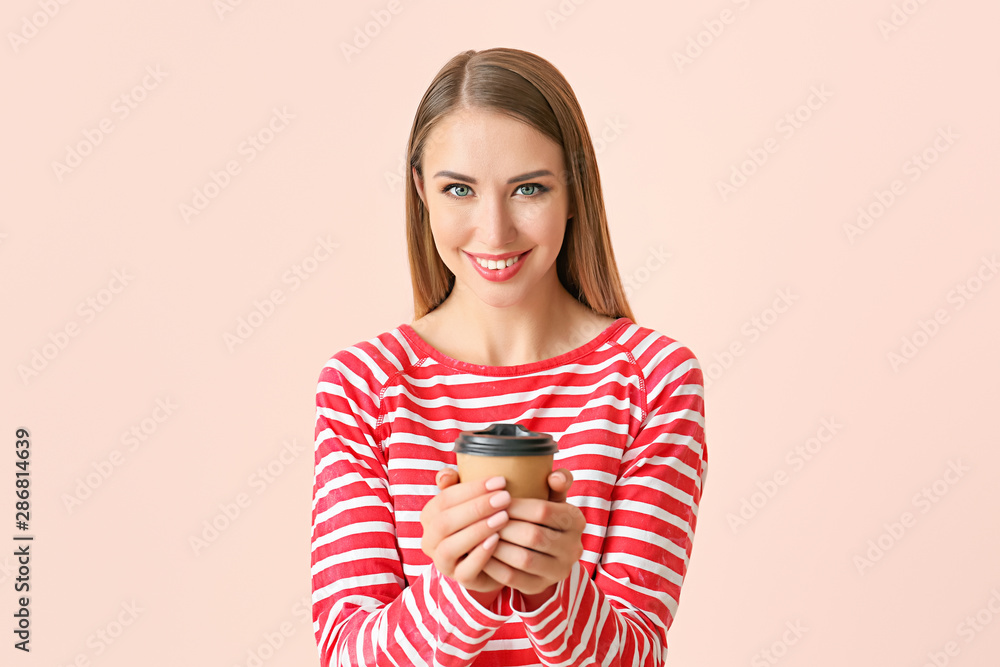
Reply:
x=502, y=338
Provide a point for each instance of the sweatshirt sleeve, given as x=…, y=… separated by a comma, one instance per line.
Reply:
x=622, y=614
x=363, y=612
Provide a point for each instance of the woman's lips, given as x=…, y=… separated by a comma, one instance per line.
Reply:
x=499, y=275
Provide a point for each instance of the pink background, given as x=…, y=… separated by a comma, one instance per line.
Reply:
x=701, y=267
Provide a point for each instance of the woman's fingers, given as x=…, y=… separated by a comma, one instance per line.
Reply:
x=557, y=516
x=470, y=568
x=526, y=561
x=530, y=536
x=459, y=519
x=456, y=494
x=456, y=545
x=446, y=477
x=451, y=520
x=479, y=536
x=540, y=538
x=449, y=492
x=539, y=545
x=506, y=575
x=559, y=482
x=458, y=505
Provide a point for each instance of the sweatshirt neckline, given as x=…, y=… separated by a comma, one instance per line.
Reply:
x=426, y=350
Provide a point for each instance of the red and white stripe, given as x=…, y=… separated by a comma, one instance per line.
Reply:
x=627, y=409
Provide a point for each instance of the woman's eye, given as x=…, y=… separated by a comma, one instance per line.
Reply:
x=462, y=191
x=536, y=189
x=465, y=188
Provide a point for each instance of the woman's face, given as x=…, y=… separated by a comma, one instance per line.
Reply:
x=494, y=186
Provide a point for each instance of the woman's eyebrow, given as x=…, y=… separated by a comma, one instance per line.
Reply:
x=469, y=179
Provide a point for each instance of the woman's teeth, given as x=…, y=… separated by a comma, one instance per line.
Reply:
x=497, y=264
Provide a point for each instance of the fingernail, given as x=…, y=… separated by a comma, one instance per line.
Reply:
x=491, y=540
x=494, y=483
x=496, y=519
x=500, y=499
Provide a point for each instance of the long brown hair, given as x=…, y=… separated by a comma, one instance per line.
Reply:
x=530, y=89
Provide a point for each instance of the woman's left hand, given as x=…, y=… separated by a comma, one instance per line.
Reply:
x=541, y=542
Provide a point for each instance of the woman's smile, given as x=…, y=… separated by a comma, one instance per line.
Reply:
x=498, y=270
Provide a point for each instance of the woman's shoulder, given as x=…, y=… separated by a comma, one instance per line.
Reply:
x=376, y=358
x=651, y=344
x=661, y=360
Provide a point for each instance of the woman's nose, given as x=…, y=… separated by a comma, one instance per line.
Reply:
x=496, y=224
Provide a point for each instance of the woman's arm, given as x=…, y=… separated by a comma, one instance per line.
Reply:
x=621, y=616
x=363, y=612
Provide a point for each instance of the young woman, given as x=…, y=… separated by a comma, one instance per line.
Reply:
x=520, y=317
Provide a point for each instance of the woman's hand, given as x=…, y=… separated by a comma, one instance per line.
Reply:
x=541, y=542
x=461, y=525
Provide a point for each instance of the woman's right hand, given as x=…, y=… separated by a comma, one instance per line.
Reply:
x=461, y=525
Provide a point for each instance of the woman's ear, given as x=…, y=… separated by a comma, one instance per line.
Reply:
x=419, y=183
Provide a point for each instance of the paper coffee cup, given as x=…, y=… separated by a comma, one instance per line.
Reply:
x=524, y=458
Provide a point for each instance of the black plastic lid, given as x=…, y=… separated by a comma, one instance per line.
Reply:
x=505, y=440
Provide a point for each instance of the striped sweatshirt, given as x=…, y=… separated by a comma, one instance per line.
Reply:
x=627, y=410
